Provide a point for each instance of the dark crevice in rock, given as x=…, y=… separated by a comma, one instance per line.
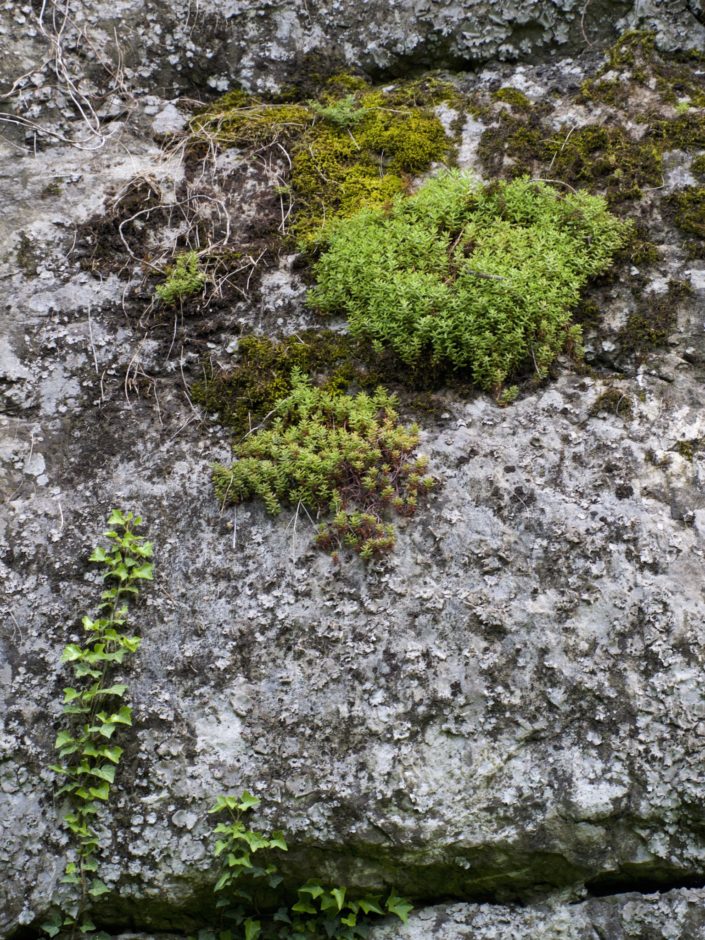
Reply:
x=639, y=879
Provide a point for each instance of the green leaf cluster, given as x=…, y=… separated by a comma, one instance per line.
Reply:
x=332, y=453
x=184, y=279
x=94, y=706
x=317, y=912
x=484, y=277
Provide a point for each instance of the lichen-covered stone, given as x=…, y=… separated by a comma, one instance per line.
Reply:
x=510, y=707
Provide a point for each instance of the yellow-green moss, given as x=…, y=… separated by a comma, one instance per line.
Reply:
x=688, y=209
x=354, y=146
x=605, y=159
x=612, y=92
x=697, y=167
x=633, y=50
x=689, y=447
x=684, y=132
x=250, y=124
x=513, y=97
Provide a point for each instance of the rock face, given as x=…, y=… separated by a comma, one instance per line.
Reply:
x=176, y=47
x=510, y=706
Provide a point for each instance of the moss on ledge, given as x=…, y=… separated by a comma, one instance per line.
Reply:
x=355, y=145
x=244, y=395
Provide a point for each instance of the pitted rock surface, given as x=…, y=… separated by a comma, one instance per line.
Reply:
x=509, y=706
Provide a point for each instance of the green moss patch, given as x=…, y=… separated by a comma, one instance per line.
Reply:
x=613, y=401
x=469, y=276
x=244, y=395
x=354, y=146
x=684, y=132
x=697, y=167
x=654, y=319
x=339, y=455
x=513, y=97
x=687, y=207
x=689, y=447
x=603, y=159
x=634, y=67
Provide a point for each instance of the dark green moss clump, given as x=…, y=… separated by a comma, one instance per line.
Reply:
x=688, y=209
x=613, y=401
x=697, y=167
x=684, y=132
x=654, y=319
x=689, y=447
x=244, y=395
x=354, y=146
x=606, y=159
x=603, y=159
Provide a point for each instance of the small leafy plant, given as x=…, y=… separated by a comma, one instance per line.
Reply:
x=95, y=709
x=465, y=275
x=183, y=280
x=332, y=453
x=318, y=912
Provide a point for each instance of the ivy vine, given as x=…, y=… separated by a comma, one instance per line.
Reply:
x=94, y=709
x=246, y=885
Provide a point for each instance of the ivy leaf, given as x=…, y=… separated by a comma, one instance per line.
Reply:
x=223, y=881
x=101, y=792
x=339, y=895
x=104, y=772
x=118, y=689
x=116, y=517
x=370, y=905
x=313, y=889
x=247, y=801
x=303, y=906
x=97, y=888
x=71, y=653
x=349, y=921
x=144, y=572
x=63, y=738
x=399, y=906
x=253, y=929
x=52, y=926
x=98, y=554
x=277, y=841
x=122, y=717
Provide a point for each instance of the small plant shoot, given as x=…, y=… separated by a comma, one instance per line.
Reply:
x=183, y=280
x=250, y=879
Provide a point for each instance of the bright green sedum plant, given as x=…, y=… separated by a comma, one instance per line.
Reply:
x=332, y=453
x=250, y=875
x=94, y=710
x=470, y=276
x=183, y=280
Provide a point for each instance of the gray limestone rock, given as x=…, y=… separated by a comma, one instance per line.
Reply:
x=507, y=709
